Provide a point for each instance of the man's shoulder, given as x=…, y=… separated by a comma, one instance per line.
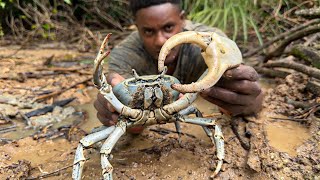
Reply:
x=131, y=39
x=194, y=26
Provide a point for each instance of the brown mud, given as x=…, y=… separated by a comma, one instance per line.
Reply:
x=279, y=149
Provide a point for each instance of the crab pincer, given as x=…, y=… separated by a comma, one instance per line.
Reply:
x=218, y=52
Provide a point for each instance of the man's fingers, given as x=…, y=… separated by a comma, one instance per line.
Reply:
x=227, y=96
x=106, y=120
x=114, y=79
x=231, y=108
x=241, y=87
x=242, y=72
x=103, y=104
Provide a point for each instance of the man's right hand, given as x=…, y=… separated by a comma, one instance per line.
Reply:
x=105, y=111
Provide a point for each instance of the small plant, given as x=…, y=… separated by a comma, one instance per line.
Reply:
x=232, y=16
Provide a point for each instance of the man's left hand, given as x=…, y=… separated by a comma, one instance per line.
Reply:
x=237, y=92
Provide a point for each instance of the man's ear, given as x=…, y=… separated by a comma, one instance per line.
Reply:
x=182, y=15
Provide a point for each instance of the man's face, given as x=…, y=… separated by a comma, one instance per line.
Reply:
x=158, y=23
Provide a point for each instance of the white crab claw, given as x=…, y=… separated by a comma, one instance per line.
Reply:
x=219, y=53
x=105, y=89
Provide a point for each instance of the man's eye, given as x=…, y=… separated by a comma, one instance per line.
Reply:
x=148, y=32
x=168, y=28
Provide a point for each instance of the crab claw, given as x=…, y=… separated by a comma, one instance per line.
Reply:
x=99, y=80
x=219, y=53
x=98, y=76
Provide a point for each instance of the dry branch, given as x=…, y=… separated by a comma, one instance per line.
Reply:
x=277, y=51
x=50, y=108
x=308, y=54
x=285, y=63
x=281, y=36
x=313, y=86
x=271, y=72
x=62, y=90
x=309, y=13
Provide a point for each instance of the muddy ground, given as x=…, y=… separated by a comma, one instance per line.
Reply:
x=43, y=146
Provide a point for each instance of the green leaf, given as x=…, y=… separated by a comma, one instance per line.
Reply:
x=2, y=4
x=235, y=24
x=68, y=2
x=46, y=26
x=256, y=30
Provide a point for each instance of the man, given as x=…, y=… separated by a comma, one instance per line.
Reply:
x=236, y=93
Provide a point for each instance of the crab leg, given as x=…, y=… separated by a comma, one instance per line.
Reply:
x=217, y=139
x=219, y=53
x=219, y=142
x=106, y=148
x=86, y=142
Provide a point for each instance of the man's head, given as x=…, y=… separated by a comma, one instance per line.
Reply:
x=157, y=21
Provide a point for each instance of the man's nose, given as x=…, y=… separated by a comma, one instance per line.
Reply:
x=160, y=39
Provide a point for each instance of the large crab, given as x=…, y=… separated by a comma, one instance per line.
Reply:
x=154, y=99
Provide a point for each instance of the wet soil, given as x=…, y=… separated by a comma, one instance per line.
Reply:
x=279, y=149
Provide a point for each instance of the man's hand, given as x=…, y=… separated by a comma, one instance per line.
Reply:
x=237, y=92
x=105, y=111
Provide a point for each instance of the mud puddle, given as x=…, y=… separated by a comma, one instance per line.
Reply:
x=287, y=136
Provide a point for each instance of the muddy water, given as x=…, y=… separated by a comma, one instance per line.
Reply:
x=287, y=136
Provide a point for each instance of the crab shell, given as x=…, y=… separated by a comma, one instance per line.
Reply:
x=126, y=90
x=219, y=53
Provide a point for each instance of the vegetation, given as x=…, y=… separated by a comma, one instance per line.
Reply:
x=52, y=19
x=240, y=18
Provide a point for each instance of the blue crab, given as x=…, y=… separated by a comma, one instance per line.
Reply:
x=154, y=99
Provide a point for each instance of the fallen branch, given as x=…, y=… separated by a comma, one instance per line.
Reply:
x=271, y=72
x=50, y=108
x=289, y=119
x=163, y=132
x=310, y=71
x=277, y=51
x=300, y=104
x=281, y=36
x=62, y=90
x=28, y=121
x=50, y=173
x=308, y=54
x=309, y=13
x=8, y=129
x=313, y=86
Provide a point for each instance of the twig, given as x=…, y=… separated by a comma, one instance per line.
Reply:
x=5, y=140
x=50, y=173
x=289, y=119
x=62, y=90
x=8, y=129
x=163, y=131
x=288, y=63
